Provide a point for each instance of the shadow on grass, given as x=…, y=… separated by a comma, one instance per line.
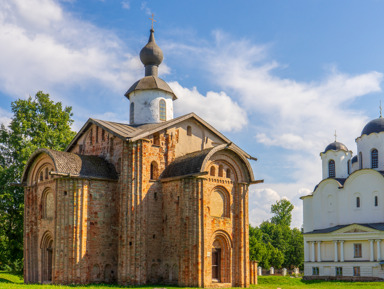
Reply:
x=2, y=280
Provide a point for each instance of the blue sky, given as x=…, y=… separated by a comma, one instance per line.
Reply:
x=276, y=77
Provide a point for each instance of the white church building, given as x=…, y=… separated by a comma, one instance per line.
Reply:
x=344, y=216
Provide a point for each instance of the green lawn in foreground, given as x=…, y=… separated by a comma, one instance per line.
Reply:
x=11, y=281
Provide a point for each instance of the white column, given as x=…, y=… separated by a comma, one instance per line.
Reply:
x=372, y=258
x=336, y=257
x=318, y=251
x=341, y=251
x=313, y=251
x=378, y=250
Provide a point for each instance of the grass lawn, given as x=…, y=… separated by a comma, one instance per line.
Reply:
x=11, y=281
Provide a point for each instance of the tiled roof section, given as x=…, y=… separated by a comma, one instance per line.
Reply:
x=77, y=165
x=186, y=165
x=376, y=226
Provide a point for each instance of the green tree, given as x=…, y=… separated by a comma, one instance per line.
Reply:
x=37, y=122
x=283, y=212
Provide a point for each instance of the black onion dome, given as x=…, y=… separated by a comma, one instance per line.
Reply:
x=335, y=146
x=151, y=53
x=374, y=126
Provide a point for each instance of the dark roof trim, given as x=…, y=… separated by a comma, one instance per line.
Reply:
x=375, y=226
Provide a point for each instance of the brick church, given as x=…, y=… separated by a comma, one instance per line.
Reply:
x=159, y=200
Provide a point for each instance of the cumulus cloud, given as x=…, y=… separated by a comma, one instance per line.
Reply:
x=217, y=108
x=297, y=117
x=49, y=48
x=5, y=117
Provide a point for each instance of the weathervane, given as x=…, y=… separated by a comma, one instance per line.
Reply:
x=335, y=136
x=152, y=19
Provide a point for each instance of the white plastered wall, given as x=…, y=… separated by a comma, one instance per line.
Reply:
x=341, y=159
x=366, y=143
x=146, y=105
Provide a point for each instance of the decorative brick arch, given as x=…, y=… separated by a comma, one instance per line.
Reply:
x=220, y=197
x=46, y=247
x=221, y=254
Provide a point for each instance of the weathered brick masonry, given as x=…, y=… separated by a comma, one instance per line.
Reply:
x=161, y=200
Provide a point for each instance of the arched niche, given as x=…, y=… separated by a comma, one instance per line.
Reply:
x=219, y=202
x=47, y=204
x=221, y=257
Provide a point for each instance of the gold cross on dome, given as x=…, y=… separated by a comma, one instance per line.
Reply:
x=152, y=19
x=335, y=135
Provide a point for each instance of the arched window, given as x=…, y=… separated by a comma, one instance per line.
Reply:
x=48, y=205
x=357, y=202
x=228, y=173
x=47, y=256
x=221, y=171
x=331, y=169
x=219, y=203
x=376, y=201
x=212, y=171
x=46, y=173
x=154, y=171
x=41, y=176
x=189, y=130
x=162, y=109
x=132, y=113
x=360, y=160
x=374, y=159
x=349, y=167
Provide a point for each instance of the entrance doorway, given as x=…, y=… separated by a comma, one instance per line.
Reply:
x=47, y=258
x=216, y=264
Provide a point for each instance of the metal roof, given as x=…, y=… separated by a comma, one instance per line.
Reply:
x=376, y=226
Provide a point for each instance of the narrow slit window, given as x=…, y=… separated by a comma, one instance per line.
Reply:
x=376, y=201
x=331, y=169
x=189, y=130
x=374, y=159
x=358, y=202
x=212, y=171
x=132, y=113
x=163, y=109
x=97, y=134
x=360, y=160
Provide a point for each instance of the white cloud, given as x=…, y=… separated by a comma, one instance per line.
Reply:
x=217, y=108
x=48, y=48
x=145, y=8
x=126, y=4
x=297, y=117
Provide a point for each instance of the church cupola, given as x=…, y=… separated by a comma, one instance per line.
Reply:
x=336, y=160
x=151, y=98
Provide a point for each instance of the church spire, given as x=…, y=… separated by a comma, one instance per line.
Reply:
x=151, y=55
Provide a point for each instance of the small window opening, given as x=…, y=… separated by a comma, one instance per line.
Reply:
x=221, y=171
x=97, y=134
x=228, y=173
x=357, y=250
x=356, y=271
x=331, y=169
x=189, y=130
x=41, y=176
x=156, y=139
x=361, y=160
x=154, y=236
x=315, y=271
x=91, y=136
x=358, y=202
x=46, y=173
x=154, y=171
x=212, y=171
x=65, y=193
x=130, y=243
x=155, y=196
x=374, y=159
x=348, y=169
x=376, y=201
x=162, y=110
x=132, y=113
x=339, y=271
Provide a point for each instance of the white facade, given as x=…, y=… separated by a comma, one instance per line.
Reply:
x=147, y=106
x=344, y=216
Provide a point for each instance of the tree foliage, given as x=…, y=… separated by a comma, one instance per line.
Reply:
x=283, y=212
x=274, y=243
x=37, y=122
